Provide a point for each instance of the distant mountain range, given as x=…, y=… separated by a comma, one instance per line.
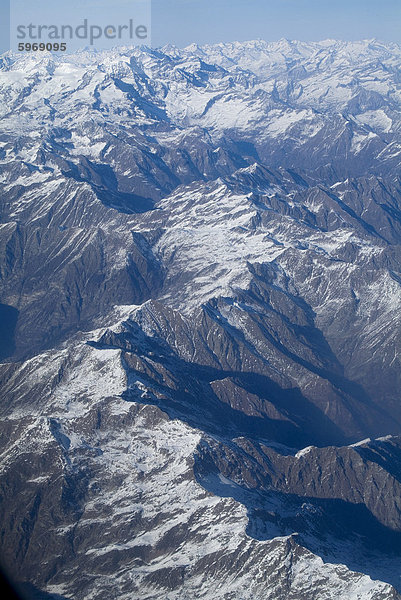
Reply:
x=200, y=322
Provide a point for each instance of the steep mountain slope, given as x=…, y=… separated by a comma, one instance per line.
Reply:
x=115, y=497
x=200, y=318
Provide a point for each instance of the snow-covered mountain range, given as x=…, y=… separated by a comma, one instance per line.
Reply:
x=200, y=314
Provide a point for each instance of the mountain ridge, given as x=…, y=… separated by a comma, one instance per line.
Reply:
x=200, y=287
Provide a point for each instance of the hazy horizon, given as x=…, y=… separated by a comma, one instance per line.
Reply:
x=182, y=22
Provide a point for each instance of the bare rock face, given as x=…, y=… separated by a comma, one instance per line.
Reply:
x=200, y=321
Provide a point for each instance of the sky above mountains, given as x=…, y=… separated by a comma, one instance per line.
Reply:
x=210, y=21
x=182, y=22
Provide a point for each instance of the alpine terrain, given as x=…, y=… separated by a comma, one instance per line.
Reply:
x=200, y=265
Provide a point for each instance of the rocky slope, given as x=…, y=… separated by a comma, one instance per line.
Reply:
x=200, y=318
